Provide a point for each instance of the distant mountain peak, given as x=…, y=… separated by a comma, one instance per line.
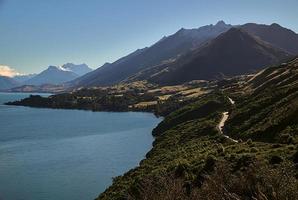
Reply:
x=69, y=65
x=221, y=23
x=275, y=25
x=57, y=68
x=79, y=69
x=52, y=67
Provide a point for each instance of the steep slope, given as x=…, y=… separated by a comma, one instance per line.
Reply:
x=232, y=53
x=52, y=75
x=165, y=49
x=269, y=110
x=274, y=34
x=7, y=83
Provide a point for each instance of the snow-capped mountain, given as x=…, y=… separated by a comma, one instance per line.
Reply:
x=58, y=74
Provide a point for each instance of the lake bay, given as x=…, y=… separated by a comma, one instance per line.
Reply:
x=51, y=154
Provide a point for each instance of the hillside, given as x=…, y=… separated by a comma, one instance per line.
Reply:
x=167, y=48
x=274, y=34
x=271, y=112
x=191, y=159
x=232, y=53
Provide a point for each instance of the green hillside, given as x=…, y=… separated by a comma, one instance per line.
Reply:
x=191, y=159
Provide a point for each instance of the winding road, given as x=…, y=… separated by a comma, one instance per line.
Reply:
x=225, y=116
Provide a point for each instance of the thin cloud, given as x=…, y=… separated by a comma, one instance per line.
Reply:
x=8, y=71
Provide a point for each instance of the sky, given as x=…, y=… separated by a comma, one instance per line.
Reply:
x=37, y=33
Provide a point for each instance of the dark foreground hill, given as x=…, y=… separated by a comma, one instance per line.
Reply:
x=232, y=53
x=191, y=159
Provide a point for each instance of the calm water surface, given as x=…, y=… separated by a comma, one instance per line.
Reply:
x=48, y=154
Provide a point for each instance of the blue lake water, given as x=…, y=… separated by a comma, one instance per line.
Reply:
x=49, y=154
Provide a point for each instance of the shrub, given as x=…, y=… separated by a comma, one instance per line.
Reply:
x=181, y=168
x=254, y=150
x=249, y=142
x=295, y=157
x=210, y=163
x=275, y=160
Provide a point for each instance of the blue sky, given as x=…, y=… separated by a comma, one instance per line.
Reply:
x=38, y=33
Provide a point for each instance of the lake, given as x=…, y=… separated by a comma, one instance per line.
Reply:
x=51, y=154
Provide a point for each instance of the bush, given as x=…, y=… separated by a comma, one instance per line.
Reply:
x=181, y=168
x=295, y=157
x=249, y=142
x=275, y=160
x=254, y=150
x=210, y=163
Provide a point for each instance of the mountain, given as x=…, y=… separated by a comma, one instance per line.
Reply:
x=52, y=75
x=232, y=53
x=274, y=34
x=151, y=61
x=23, y=78
x=80, y=69
x=7, y=83
x=57, y=75
x=165, y=49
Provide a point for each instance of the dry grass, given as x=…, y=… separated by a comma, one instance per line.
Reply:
x=169, y=89
x=164, y=97
x=145, y=104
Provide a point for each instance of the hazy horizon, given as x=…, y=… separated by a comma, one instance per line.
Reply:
x=37, y=34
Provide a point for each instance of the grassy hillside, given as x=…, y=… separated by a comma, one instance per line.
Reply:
x=190, y=159
x=269, y=109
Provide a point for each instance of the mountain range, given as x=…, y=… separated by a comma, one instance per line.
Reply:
x=208, y=52
x=47, y=79
x=165, y=49
x=58, y=75
x=22, y=78
x=197, y=53
x=7, y=82
x=232, y=53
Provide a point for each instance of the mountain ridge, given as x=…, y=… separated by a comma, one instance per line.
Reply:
x=167, y=48
x=232, y=53
x=170, y=48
